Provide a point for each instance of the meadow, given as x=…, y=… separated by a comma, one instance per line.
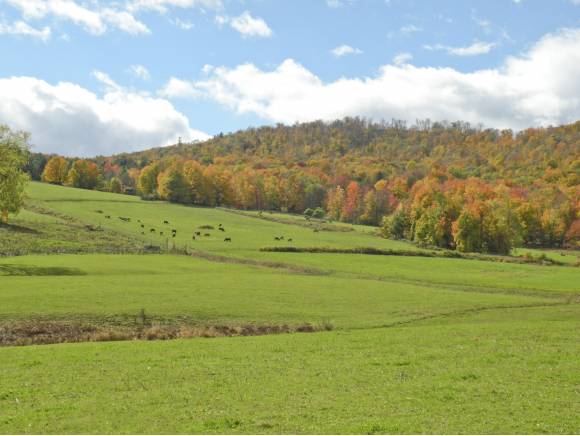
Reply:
x=412, y=344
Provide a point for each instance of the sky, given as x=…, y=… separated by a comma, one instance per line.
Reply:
x=91, y=77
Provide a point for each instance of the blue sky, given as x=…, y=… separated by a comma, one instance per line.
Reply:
x=90, y=77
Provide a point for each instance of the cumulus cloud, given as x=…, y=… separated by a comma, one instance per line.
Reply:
x=247, y=25
x=69, y=119
x=140, y=72
x=177, y=88
x=94, y=21
x=540, y=87
x=477, y=48
x=344, y=50
x=22, y=28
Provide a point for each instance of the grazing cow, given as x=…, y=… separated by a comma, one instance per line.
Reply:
x=122, y=218
x=161, y=233
x=228, y=240
x=193, y=237
x=222, y=229
x=165, y=222
x=142, y=226
x=198, y=233
x=276, y=238
x=281, y=238
x=173, y=231
x=108, y=216
x=289, y=239
x=152, y=230
x=206, y=234
x=173, y=235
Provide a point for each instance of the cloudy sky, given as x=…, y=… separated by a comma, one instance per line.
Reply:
x=90, y=77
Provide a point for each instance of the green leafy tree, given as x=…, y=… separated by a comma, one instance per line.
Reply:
x=115, y=186
x=14, y=153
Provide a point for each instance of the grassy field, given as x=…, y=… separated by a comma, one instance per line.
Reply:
x=418, y=345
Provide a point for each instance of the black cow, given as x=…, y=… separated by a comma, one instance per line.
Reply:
x=289, y=239
x=228, y=240
x=206, y=234
x=152, y=230
x=222, y=229
x=198, y=233
x=165, y=222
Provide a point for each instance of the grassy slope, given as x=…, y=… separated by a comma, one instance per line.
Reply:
x=250, y=234
x=488, y=370
x=513, y=372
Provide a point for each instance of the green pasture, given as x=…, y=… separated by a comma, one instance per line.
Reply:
x=419, y=344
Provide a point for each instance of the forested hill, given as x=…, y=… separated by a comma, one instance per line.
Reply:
x=389, y=148
x=448, y=185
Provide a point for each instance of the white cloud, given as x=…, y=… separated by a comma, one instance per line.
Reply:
x=247, y=25
x=177, y=88
x=182, y=24
x=344, y=50
x=163, y=5
x=66, y=118
x=410, y=28
x=140, y=72
x=539, y=87
x=402, y=58
x=339, y=3
x=477, y=48
x=93, y=21
x=125, y=21
x=22, y=28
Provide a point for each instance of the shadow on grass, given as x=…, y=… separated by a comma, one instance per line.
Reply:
x=18, y=229
x=30, y=270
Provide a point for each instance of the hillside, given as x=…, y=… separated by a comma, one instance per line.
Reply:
x=446, y=185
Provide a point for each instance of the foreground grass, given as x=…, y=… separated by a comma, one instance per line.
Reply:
x=510, y=371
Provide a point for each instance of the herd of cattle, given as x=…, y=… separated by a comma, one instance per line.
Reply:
x=196, y=234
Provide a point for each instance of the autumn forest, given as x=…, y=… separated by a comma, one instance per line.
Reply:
x=448, y=185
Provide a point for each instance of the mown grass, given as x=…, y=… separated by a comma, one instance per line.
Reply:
x=180, y=288
x=511, y=371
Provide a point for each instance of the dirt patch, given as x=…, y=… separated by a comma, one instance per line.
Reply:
x=54, y=332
